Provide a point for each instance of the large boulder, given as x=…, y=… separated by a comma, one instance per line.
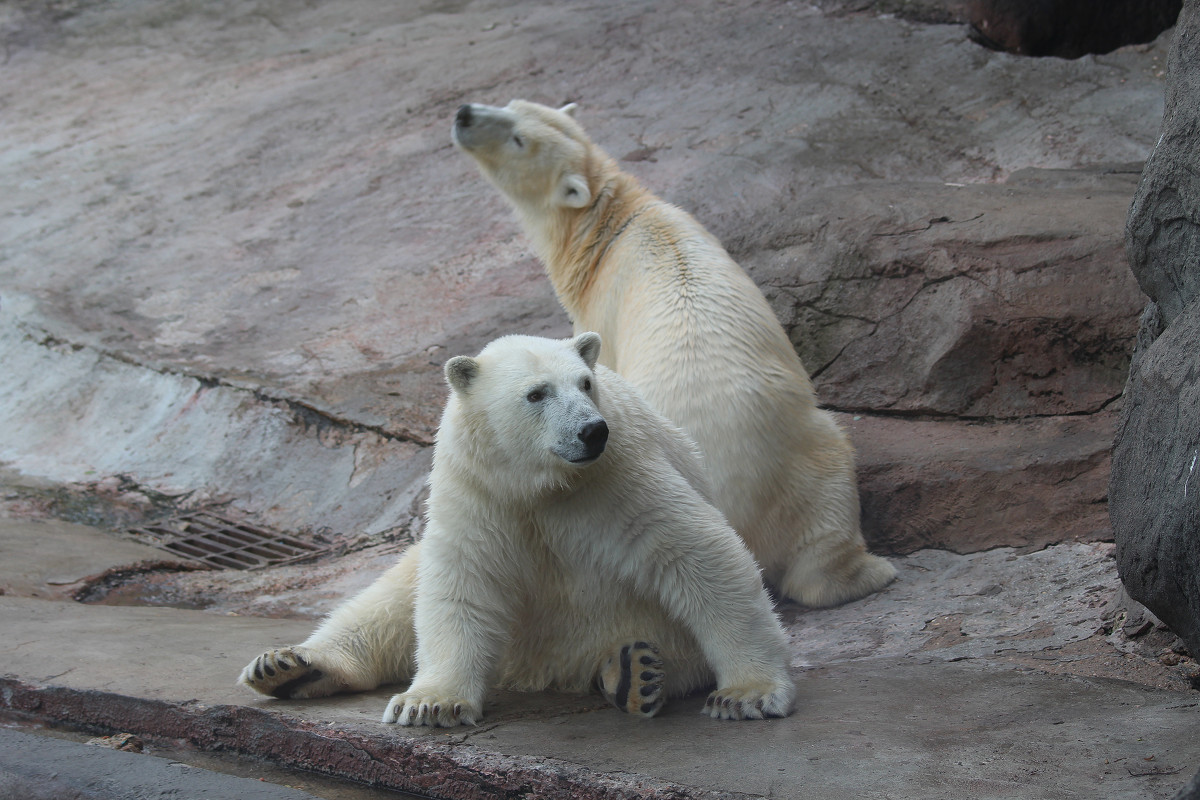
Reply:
x=1155, y=487
x=1191, y=791
x=983, y=301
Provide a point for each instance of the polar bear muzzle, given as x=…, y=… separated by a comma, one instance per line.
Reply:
x=594, y=435
x=477, y=126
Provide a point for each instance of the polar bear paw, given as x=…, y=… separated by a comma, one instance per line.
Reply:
x=287, y=673
x=433, y=708
x=752, y=701
x=632, y=680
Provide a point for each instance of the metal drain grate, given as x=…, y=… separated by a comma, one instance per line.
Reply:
x=222, y=542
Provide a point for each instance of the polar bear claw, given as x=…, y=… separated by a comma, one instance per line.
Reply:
x=285, y=673
x=749, y=702
x=431, y=707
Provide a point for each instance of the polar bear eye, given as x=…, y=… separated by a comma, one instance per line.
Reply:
x=518, y=141
x=586, y=385
x=536, y=396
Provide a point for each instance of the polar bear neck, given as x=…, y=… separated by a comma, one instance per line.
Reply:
x=572, y=243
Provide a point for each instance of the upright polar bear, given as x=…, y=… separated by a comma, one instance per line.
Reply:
x=569, y=542
x=684, y=323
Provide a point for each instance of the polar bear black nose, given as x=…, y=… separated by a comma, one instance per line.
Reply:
x=594, y=436
x=463, y=117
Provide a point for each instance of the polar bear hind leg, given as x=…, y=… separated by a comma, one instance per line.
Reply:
x=367, y=641
x=632, y=679
x=830, y=573
x=824, y=561
x=287, y=673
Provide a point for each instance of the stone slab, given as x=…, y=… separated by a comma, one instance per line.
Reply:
x=882, y=727
x=975, y=671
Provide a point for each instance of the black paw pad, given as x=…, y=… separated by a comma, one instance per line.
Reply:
x=632, y=679
x=285, y=691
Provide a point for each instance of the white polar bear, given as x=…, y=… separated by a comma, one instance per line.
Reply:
x=687, y=326
x=569, y=543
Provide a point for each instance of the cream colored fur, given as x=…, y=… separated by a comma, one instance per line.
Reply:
x=541, y=559
x=688, y=327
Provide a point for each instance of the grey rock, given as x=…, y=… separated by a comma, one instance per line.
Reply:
x=1191, y=791
x=1154, y=497
x=1154, y=491
x=1162, y=230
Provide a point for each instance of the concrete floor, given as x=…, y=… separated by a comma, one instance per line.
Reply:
x=904, y=708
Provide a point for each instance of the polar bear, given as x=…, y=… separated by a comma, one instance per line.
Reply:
x=686, y=325
x=569, y=543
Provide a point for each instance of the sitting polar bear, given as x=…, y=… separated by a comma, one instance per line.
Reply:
x=685, y=325
x=569, y=543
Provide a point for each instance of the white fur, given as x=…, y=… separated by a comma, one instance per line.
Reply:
x=688, y=327
x=538, y=562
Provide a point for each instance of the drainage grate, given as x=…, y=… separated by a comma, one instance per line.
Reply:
x=222, y=542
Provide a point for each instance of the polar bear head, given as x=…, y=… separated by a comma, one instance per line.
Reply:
x=535, y=155
x=528, y=406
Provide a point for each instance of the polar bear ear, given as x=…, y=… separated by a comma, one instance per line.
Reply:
x=460, y=371
x=573, y=191
x=588, y=347
x=569, y=109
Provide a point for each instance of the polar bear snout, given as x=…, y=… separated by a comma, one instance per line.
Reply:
x=587, y=445
x=594, y=436
x=478, y=126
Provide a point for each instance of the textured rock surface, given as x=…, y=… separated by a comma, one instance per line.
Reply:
x=1155, y=493
x=250, y=213
x=965, y=487
x=977, y=301
x=1155, y=502
x=1164, y=220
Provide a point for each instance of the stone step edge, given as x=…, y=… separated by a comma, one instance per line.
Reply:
x=379, y=760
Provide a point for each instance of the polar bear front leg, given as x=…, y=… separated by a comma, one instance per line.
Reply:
x=457, y=643
x=452, y=671
x=462, y=615
x=705, y=577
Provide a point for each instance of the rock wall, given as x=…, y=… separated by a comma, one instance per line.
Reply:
x=290, y=235
x=1155, y=485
